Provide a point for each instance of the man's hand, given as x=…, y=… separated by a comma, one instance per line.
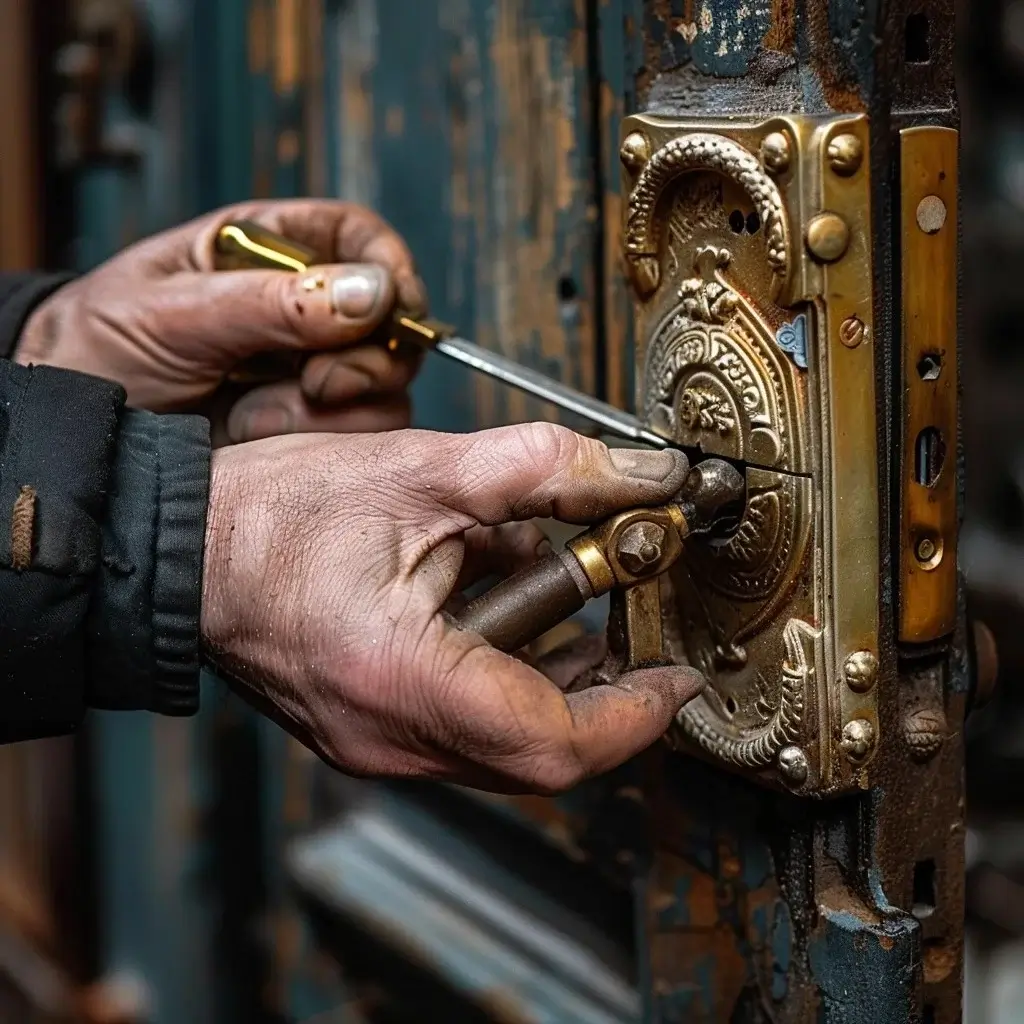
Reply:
x=329, y=561
x=158, y=320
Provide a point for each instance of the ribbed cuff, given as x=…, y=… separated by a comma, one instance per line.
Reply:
x=184, y=447
x=146, y=611
x=19, y=296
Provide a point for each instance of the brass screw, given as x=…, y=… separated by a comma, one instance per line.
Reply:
x=793, y=766
x=640, y=547
x=858, y=740
x=775, y=152
x=861, y=671
x=851, y=331
x=635, y=152
x=845, y=154
x=926, y=549
x=828, y=237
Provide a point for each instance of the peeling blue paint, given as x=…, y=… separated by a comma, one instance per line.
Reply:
x=792, y=339
x=729, y=35
x=782, y=950
x=864, y=971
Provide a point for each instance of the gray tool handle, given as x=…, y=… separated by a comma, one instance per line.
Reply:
x=525, y=606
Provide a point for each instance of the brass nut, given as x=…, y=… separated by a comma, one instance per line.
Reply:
x=861, y=671
x=851, y=331
x=640, y=547
x=635, y=152
x=845, y=154
x=775, y=152
x=793, y=766
x=858, y=740
x=828, y=237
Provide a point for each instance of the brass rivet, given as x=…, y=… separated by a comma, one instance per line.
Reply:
x=858, y=740
x=931, y=214
x=851, y=331
x=845, y=153
x=828, y=237
x=775, y=152
x=861, y=671
x=793, y=766
x=635, y=151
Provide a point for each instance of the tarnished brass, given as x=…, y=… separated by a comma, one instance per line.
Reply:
x=928, y=570
x=748, y=248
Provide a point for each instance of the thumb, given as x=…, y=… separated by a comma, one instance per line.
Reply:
x=538, y=470
x=221, y=318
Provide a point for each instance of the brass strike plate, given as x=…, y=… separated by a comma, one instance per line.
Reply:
x=748, y=247
x=928, y=511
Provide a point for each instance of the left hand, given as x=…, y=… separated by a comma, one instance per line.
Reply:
x=157, y=319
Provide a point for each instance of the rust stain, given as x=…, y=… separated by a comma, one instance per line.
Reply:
x=782, y=33
x=259, y=38
x=287, y=44
x=617, y=305
x=939, y=962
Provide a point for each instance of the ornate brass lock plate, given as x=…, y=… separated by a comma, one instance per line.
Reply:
x=748, y=247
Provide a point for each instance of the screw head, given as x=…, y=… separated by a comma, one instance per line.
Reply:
x=640, y=547
x=635, y=152
x=851, y=331
x=828, y=237
x=861, y=671
x=931, y=215
x=925, y=549
x=793, y=766
x=858, y=740
x=775, y=152
x=845, y=154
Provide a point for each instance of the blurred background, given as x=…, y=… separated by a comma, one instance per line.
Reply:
x=210, y=870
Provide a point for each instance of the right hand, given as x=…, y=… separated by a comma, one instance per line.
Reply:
x=329, y=560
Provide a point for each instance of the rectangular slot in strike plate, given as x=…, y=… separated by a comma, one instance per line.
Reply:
x=928, y=481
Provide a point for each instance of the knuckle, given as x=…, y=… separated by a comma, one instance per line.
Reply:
x=549, y=445
x=553, y=776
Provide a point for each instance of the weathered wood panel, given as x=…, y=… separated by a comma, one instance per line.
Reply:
x=468, y=123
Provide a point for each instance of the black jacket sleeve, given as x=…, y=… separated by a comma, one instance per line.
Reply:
x=102, y=522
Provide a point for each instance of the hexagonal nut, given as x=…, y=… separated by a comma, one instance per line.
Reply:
x=858, y=740
x=640, y=547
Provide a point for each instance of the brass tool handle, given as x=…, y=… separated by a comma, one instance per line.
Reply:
x=244, y=245
x=524, y=607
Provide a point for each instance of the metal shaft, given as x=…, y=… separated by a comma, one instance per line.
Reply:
x=491, y=364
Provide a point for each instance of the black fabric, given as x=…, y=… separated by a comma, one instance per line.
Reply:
x=19, y=296
x=144, y=626
x=106, y=613
x=60, y=440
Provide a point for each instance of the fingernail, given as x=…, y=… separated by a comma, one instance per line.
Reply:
x=642, y=465
x=544, y=548
x=356, y=290
x=266, y=421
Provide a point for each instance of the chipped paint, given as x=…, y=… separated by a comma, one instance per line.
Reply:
x=287, y=42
